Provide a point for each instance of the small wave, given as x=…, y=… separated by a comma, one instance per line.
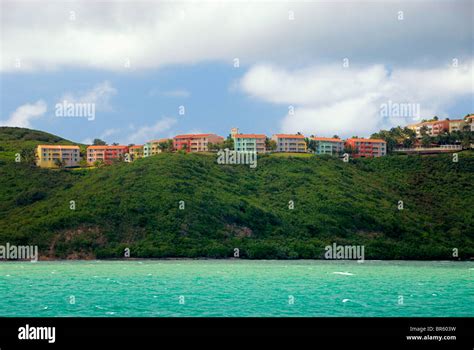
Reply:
x=343, y=273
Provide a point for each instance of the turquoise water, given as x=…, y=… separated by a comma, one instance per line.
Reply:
x=236, y=288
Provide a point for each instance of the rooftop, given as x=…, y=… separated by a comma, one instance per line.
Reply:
x=366, y=140
x=192, y=136
x=106, y=146
x=250, y=136
x=289, y=136
x=59, y=146
x=330, y=139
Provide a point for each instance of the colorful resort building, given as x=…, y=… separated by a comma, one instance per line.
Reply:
x=106, y=154
x=456, y=125
x=290, y=143
x=196, y=142
x=54, y=156
x=327, y=145
x=432, y=128
x=135, y=151
x=367, y=147
x=153, y=147
x=470, y=121
x=248, y=142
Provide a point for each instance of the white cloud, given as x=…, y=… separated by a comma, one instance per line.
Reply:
x=99, y=95
x=24, y=114
x=152, y=34
x=331, y=100
x=149, y=132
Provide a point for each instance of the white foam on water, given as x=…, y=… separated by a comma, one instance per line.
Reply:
x=343, y=273
x=345, y=300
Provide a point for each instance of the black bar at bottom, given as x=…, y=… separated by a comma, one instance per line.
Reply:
x=448, y=333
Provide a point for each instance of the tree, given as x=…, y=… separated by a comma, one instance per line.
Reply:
x=214, y=146
x=349, y=149
x=336, y=137
x=98, y=142
x=59, y=163
x=424, y=130
x=270, y=145
x=408, y=143
x=99, y=164
x=28, y=156
x=115, y=144
x=310, y=144
x=163, y=146
x=170, y=147
x=425, y=140
x=228, y=143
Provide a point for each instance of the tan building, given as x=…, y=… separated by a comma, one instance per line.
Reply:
x=456, y=125
x=51, y=156
x=293, y=143
x=433, y=128
x=470, y=121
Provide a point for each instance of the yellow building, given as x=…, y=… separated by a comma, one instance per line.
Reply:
x=136, y=151
x=51, y=156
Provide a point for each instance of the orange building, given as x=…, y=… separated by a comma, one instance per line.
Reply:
x=195, y=142
x=367, y=147
x=106, y=153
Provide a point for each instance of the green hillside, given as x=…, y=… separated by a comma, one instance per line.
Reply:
x=15, y=140
x=137, y=205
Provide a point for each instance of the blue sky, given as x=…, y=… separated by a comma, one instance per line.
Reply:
x=311, y=67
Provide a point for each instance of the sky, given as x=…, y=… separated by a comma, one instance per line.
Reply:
x=155, y=69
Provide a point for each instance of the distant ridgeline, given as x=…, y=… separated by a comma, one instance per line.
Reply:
x=287, y=207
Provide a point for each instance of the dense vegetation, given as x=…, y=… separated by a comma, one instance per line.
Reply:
x=23, y=141
x=137, y=206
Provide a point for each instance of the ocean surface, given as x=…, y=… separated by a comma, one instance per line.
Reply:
x=209, y=288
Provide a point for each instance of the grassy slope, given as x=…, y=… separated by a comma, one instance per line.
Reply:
x=13, y=140
x=137, y=206
x=225, y=207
